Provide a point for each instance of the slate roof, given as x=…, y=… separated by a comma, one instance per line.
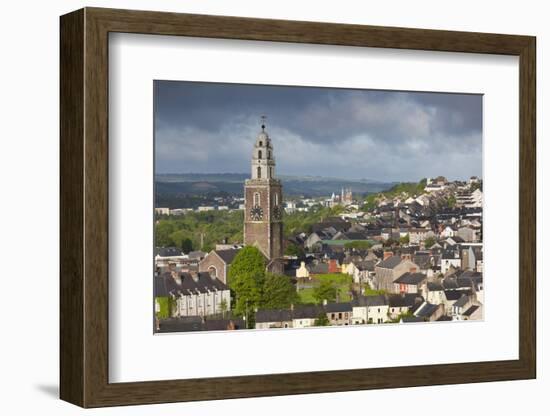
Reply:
x=411, y=278
x=462, y=301
x=337, y=223
x=168, y=252
x=434, y=286
x=227, y=255
x=369, y=301
x=390, y=262
x=338, y=307
x=412, y=319
x=366, y=265
x=471, y=310
x=355, y=235
x=165, y=284
x=405, y=300
x=450, y=254
x=273, y=315
x=197, y=254
x=300, y=312
x=423, y=260
x=307, y=311
x=475, y=277
x=426, y=310
x=454, y=294
x=197, y=324
x=444, y=318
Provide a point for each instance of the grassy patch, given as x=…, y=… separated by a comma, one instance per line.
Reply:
x=341, y=281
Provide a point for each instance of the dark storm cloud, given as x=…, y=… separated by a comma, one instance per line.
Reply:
x=209, y=127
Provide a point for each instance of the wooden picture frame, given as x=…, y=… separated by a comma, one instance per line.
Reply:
x=84, y=207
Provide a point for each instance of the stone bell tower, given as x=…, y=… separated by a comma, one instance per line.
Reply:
x=263, y=193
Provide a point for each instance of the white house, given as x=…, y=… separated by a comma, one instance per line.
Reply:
x=447, y=232
x=193, y=295
x=370, y=309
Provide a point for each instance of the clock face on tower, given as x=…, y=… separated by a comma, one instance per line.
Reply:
x=256, y=213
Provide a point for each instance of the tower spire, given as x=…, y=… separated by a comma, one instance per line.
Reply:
x=263, y=119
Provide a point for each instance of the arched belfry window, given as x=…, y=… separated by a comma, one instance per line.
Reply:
x=259, y=154
x=270, y=172
x=259, y=170
x=261, y=144
x=268, y=154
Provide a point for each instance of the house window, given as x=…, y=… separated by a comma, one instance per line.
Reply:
x=340, y=315
x=332, y=315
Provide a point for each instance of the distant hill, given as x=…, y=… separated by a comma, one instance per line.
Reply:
x=169, y=186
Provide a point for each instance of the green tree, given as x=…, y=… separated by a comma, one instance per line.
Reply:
x=223, y=307
x=164, y=229
x=322, y=320
x=405, y=239
x=165, y=305
x=278, y=292
x=294, y=250
x=428, y=242
x=358, y=245
x=246, y=278
x=389, y=242
x=451, y=201
x=370, y=202
x=187, y=245
x=407, y=314
x=325, y=291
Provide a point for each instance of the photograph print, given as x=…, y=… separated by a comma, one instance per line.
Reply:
x=297, y=207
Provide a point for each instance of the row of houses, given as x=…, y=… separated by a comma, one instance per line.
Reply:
x=375, y=309
x=189, y=294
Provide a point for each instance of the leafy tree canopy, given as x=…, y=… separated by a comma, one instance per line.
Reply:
x=358, y=245
x=322, y=320
x=428, y=242
x=294, y=250
x=325, y=291
x=278, y=292
x=246, y=278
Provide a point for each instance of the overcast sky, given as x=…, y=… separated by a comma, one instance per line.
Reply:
x=352, y=134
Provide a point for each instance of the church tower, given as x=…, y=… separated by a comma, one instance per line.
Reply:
x=263, y=193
